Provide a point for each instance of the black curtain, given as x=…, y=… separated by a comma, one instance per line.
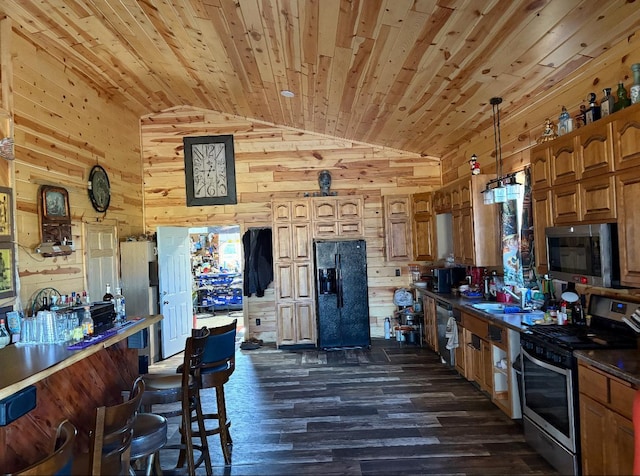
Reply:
x=258, y=260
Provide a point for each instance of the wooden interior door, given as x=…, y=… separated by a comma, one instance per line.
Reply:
x=101, y=243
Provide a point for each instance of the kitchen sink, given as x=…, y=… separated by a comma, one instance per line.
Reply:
x=491, y=307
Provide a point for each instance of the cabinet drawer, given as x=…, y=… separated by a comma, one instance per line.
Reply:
x=592, y=383
x=325, y=229
x=350, y=228
x=622, y=395
x=475, y=325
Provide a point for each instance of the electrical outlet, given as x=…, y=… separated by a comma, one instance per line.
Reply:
x=397, y=271
x=258, y=322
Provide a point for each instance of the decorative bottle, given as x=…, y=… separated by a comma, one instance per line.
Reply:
x=87, y=323
x=607, y=103
x=5, y=338
x=635, y=89
x=593, y=113
x=623, y=100
x=108, y=297
x=118, y=300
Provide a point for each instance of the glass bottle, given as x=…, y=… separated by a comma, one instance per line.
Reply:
x=87, y=323
x=565, y=123
x=5, y=338
x=108, y=297
x=635, y=89
x=593, y=113
x=607, y=103
x=623, y=100
x=118, y=300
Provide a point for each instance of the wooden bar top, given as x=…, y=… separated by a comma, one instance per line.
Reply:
x=25, y=365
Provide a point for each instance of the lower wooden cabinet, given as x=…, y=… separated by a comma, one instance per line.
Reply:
x=430, y=322
x=606, y=427
x=296, y=322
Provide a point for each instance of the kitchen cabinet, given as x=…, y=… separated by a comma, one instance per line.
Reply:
x=460, y=351
x=442, y=201
x=606, y=431
x=337, y=217
x=565, y=204
x=398, y=227
x=541, y=220
x=597, y=199
x=478, y=351
x=293, y=272
x=595, y=150
x=627, y=195
x=423, y=227
x=626, y=138
x=563, y=160
x=540, y=168
x=430, y=322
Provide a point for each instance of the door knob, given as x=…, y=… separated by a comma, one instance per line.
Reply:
x=165, y=302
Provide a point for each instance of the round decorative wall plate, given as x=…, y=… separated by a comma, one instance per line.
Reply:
x=99, y=188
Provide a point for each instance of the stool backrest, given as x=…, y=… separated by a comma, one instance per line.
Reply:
x=193, y=354
x=220, y=351
x=112, y=434
x=59, y=462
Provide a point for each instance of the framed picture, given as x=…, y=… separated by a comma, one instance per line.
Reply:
x=7, y=276
x=6, y=214
x=210, y=173
x=55, y=203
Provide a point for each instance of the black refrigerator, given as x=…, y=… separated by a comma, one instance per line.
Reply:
x=341, y=294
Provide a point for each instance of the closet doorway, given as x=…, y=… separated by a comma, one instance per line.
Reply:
x=217, y=270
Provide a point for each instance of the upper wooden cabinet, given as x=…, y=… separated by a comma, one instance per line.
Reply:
x=564, y=160
x=398, y=227
x=595, y=150
x=290, y=210
x=541, y=220
x=442, y=201
x=540, y=168
x=335, y=217
x=627, y=194
x=423, y=227
x=626, y=138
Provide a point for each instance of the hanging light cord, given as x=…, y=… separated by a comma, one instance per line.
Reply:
x=495, y=102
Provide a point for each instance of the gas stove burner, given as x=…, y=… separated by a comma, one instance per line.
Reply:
x=578, y=337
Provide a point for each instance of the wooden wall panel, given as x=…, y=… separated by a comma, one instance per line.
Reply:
x=280, y=162
x=63, y=127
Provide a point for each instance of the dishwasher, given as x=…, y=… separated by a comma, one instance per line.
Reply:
x=444, y=310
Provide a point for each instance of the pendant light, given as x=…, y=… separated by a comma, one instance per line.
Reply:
x=499, y=192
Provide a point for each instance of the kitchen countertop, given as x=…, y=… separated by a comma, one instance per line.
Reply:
x=512, y=321
x=624, y=364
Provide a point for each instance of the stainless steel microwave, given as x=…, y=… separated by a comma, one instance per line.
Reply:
x=584, y=254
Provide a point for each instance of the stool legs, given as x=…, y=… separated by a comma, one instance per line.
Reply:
x=225, y=435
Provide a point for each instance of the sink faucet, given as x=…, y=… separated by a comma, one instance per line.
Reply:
x=522, y=298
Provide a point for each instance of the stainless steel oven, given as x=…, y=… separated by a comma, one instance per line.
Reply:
x=549, y=403
x=550, y=411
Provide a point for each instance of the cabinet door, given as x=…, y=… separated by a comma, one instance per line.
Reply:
x=281, y=211
x=598, y=199
x=566, y=204
x=564, y=161
x=397, y=207
x=326, y=229
x=350, y=229
x=487, y=367
x=300, y=210
x=458, y=239
x=282, y=245
x=627, y=195
x=460, y=351
x=626, y=134
x=325, y=209
x=422, y=203
x=424, y=237
x=467, y=238
x=284, y=284
x=541, y=220
x=540, y=169
x=304, y=283
x=456, y=198
x=301, y=241
x=349, y=208
x=593, y=435
x=620, y=447
x=285, y=317
x=398, y=239
x=465, y=194
x=595, y=151
x=305, y=323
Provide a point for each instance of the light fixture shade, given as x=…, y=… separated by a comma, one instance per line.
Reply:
x=488, y=196
x=500, y=194
x=514, y=191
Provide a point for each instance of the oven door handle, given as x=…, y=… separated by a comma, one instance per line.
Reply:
x=553, y=368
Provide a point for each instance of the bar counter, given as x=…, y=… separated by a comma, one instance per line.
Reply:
x=69, y=384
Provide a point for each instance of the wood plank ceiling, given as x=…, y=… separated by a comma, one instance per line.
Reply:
x=415, y=75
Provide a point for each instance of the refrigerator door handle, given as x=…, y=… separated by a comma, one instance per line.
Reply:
x=339, y=292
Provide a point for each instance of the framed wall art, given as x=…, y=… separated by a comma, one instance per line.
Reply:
x=209, y=170
x=7, y=275
x=6, y=214
x=55, y=215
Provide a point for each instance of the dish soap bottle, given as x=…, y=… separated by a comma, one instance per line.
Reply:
x=5, y=338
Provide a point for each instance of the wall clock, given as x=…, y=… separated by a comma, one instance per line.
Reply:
x=99, y=189
x=209, y=170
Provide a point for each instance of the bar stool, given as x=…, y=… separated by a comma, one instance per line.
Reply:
x=149, y=437
x=218, y=363
x=110, y=439
x=60, y=460
x=183, y=388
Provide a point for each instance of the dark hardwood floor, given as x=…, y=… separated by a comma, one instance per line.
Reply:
x=391, y=409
